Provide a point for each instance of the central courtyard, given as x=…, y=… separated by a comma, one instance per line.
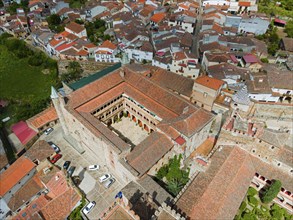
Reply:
x=129, y=131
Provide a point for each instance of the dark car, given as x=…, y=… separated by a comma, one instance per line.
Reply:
x=70, y=170
x=56, y=158
x=54, y=146
x=66, y=165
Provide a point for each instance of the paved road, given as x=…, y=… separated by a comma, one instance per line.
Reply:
x=90, y=186
x=195, y=38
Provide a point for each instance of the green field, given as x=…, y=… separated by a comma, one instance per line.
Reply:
x=22, y=82
x=26, y=87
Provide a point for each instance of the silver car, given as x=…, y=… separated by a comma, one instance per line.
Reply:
x=109, y=182
x=89, y=207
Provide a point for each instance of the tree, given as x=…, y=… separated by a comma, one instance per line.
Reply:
x=74, y=72
x=162, y=172
x=54, y=22
x=176, y=178
x=271, y=192
x=174, y=186
x=289, y=28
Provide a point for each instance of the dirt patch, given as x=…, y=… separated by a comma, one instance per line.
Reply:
x=89, y=67
x=46, y=71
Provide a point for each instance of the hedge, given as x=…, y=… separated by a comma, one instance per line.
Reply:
x=253, y=201
x=271, y=192
x=252, y=191
x=242, y=206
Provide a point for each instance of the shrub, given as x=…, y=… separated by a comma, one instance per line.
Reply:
x=264, y=60
x=253, y=201
x=249, y=216
x=75, y=214
x=271, y=192
x=162, y=172
x=242, y=206
x=251, y=191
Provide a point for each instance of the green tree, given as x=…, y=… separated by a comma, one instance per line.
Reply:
x=174, y=186
x=289, y=28
x=162, y=172
x=74, y=72
x=264, y=60
x=95, y=31
x=55, y=23
x=271, y=192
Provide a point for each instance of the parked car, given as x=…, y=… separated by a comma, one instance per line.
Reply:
x=66, y=165
x=109, y=182
x=70, y=170
x=54, y=146
x=89, y=207
x=105, y=177
x=94, y=167
x=56, y=158
x=48, y=131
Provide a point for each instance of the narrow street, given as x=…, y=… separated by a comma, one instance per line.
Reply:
x=195, y=38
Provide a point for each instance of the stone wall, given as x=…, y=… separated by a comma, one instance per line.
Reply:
x=89, y=67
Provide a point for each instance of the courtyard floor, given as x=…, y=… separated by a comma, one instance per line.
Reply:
x=128, y=129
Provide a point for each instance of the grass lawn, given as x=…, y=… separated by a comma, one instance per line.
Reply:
x=21, y=83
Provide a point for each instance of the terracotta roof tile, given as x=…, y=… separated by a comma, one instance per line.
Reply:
x=43, y=118
x=210, y=82
x=218, y=192
x=76, y=28
x=149, y=152
x=10, y=177
x=158, y=17
x=25, y=193
x=108, y=44
x=41, y=150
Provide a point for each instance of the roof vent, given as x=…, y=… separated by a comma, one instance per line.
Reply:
x=185, y=110
x=122, y=73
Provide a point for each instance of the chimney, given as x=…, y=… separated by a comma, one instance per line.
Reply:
x=122, y=73
x=185, y=110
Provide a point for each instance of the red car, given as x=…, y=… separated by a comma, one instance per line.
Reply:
x=56, y=158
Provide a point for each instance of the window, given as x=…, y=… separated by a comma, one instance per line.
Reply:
x=23, y=214
x=34, y=206
x=205, y=94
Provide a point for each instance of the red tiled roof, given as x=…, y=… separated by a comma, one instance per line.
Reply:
x=108, y=44
x=218, y=192
x=76, y=28
x=250, y=58
x=62, y=206
x=180, y=140
x=43, y=118
x=149, y=152
x=82, y=53
x=280, y=21
x=10, y=177
x=23, y=132
x=245, y=4
x=210, y=82
x=65, y=46
x=25, y=193
x=158, y=17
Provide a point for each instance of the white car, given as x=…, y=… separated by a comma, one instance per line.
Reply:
x=109, y=182
x=89, y=207
x=54, y=146
x=48, y=131
x=105, y=177
x=94, y=167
